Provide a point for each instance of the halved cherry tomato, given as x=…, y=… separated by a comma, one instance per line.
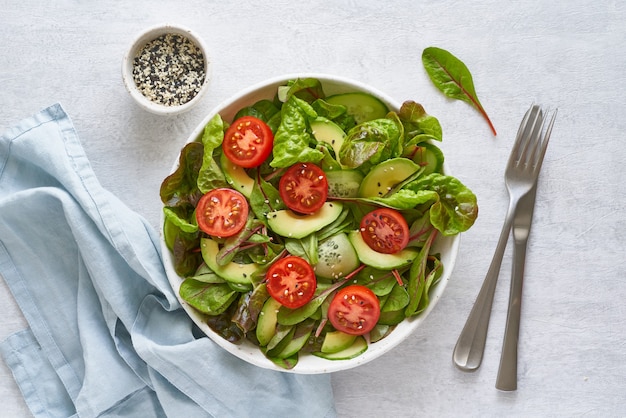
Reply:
x=291, y=281
x=304, y=188
x=355, y=310
x=248, y=142
x=385, y=230
x=222, y=212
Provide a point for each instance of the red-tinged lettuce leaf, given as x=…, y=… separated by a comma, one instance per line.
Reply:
x=181, y=185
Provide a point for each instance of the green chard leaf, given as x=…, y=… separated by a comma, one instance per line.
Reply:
x=452, y=77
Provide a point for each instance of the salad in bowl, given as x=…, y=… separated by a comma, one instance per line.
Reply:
x=310, y=223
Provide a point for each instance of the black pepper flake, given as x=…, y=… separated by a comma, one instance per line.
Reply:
x=169, y=70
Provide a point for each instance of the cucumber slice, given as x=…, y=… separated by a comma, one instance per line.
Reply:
x=337, y=257
x=362, y=106
x=292, y=225
x=426, y=155
x=358, y=347
x=343, y=183
x=379, y=260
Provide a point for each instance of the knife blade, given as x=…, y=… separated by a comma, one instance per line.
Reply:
x=507, y=372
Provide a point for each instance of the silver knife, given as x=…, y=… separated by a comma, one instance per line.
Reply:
x=507, y=373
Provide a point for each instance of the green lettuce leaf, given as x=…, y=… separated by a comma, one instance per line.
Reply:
x=456, y=208
x=211, y=175
x=292, y=142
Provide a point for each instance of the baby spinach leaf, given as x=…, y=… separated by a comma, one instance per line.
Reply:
x=417, y=285
x=265, y=198
x=206, y=275
x=212, y=299
x=452, y=77
x=305, y=248
x=292, y=140
x=398, y=299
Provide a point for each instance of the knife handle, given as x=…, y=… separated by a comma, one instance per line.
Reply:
x=507, y=372
x=470, y=346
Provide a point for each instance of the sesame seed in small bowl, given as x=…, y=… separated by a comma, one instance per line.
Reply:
x=166, y=69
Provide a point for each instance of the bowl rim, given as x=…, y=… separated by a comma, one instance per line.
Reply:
x=138, y=42
x=309, y=364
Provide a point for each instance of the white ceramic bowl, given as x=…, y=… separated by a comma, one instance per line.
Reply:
x=128, y=62
x=309, y=364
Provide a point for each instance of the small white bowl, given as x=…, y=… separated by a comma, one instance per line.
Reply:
x=128, y=64
x=446, y=246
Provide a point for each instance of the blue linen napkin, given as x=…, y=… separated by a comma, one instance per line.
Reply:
x=107, y=336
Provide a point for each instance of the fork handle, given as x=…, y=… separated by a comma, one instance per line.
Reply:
x=507, y=372
x=469, y=349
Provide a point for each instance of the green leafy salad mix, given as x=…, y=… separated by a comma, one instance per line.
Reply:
x=306, y=224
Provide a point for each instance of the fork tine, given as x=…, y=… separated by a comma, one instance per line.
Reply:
x=526, y=133
x=529, y=157
x=544, y=143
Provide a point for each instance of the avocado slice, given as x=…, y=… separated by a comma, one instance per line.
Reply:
x=239, y=274
x=383, y=177
x=237, y=177
x=335, y=341
x=327, y=131
x=266, y=324
x=379, y=260
x=358, y=347
x=289, y=224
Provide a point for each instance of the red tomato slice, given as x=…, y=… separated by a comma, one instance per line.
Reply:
x=303, y=188
x=248, y=142
x=354, y=310
x=291, y=281
x=222, y=212
x=385, y=230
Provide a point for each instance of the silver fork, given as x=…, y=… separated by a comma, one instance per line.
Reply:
x=520, y=176
x=522, y=222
